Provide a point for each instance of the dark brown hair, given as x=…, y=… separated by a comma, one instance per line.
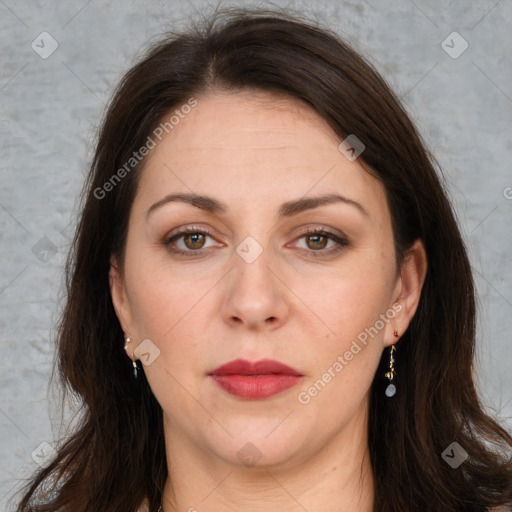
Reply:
x=115, y=457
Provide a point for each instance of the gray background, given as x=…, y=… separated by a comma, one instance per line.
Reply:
x=51, y=107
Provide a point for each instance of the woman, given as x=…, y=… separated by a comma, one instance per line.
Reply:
x=270, y=305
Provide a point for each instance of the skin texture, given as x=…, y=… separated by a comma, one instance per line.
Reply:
x=253, y=151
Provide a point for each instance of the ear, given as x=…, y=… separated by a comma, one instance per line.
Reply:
x=119, y=297
x=409, y=286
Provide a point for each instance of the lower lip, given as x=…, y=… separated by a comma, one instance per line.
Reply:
x=256, y=387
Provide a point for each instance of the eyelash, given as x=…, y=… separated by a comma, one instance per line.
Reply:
x=340, y=241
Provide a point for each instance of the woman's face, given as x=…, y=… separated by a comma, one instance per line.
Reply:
x=256, y=285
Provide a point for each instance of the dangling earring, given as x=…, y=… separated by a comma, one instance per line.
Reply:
x=391, y=389
x=132, y=357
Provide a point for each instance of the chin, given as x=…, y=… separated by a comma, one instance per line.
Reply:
x=260, y=446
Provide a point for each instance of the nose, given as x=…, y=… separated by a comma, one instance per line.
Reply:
x=256, y=295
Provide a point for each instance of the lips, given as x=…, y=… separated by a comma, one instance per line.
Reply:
x=255, y=379
x=263, y=367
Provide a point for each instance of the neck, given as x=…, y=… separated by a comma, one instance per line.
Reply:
x=338, y=478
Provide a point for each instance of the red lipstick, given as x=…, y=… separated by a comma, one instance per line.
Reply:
x=255, y=380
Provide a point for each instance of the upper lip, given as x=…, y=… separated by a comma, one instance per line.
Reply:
x=261, y=367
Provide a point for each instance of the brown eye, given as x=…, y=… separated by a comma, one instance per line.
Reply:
x=318, y=241
x=194, y=240
x=188, y=242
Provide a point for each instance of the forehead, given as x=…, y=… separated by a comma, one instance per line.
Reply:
x=252, y=146
x=249, y=122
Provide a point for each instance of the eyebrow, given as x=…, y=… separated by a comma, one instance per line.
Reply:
x=287, y=209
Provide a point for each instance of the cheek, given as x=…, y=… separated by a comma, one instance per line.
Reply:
x=354, y=309
x=172, y=307
x=342, y=364
x=347, y=301
x=165, y=297
x=168, y=309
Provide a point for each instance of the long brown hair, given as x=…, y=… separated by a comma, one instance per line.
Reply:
x=115, y=458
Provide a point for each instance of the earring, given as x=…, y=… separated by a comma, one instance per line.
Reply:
x=132, y=357
x=391, y=389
